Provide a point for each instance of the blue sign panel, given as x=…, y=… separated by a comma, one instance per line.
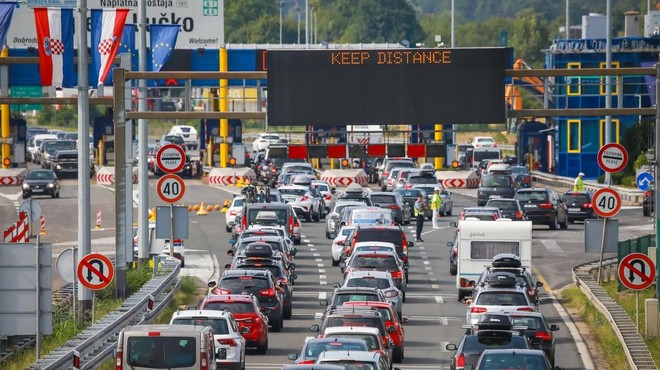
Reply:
x=643, y=181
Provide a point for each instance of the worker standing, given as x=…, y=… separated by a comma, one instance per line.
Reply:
x=436, y=203
x=578, y=185
x=420, y=210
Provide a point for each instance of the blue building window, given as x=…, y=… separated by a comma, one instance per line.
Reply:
x=614, y=134
x=574, y=136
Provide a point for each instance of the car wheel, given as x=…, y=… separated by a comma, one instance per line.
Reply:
x=403, y=295
x=645, y=212
x=555, y=223
x=183, y=263
x=288, y=312
x=296, y=241
x=262, y=349
x=397, y=354
x=461, y=295
x=564, y=225
x=309, y=217
x=449, y=212
x=228, y=229
x=452, y=270
x=335, y=263
x=317, y=217
x=277, y=326
x=54, y=195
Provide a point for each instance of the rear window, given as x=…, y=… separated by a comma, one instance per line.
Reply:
x=577, y=198
x=315, y=349
x=381, y=262
x=231, y=306
x=368, y=283
x=161, y=352
x=218, y=325
x=340, y=299
x=372, y=344
x=275, y=270
x=244, y=285
x=496, y=181
x=184, y=129
x=502, y=298
x=383, y=199
x=292, y=191
x=503, y=205
x=369, y=321
x=534, y=196
x=381, y=235
x=402, y=164
x=479, y=343
x=281, y=215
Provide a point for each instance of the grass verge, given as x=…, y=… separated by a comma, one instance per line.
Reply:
x=190, y=292
x=627, y=300
x=602, y=331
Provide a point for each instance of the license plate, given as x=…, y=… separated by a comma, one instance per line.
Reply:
x=495, y=197
x=530, y=205
x=37, y=190
x=574, y=209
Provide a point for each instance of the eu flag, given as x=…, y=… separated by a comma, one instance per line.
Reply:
x=127, y=42
x=163, y=40
x=6, y=12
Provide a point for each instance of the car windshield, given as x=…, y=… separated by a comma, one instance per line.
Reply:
x=377, y=262
x=519, y=170
x=501, y=299
x=503, y=205
x=346, y=231
x=40, y=175
x=495, y=181
x=231, y=306
x=314, y=349
x=535, y=196
x=371, y=340
x=514, y=361
x=296, y=192
x=218, y=325
x=368, y=282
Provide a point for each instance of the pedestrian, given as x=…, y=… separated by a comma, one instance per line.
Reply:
x=420, y=210
x=578, y=185
x=436, y=203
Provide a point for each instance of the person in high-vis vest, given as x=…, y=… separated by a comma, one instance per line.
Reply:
x=419, y=210
x=436, y=203
x=578, y=185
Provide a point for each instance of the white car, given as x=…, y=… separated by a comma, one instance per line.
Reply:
x=263, y=141
x=229, y=342
x=188, y=133
x=332, y=219
x=380, y=280
x=235, y=209
x=328, y=193
x=483, y=142
x=302, y=201
x=338, y=243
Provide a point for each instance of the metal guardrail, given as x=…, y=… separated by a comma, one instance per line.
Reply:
x=95, y=344
x=633, y=344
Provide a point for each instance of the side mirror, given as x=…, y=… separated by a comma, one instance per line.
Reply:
x=315, y=328
x=333, y=190
x=227, y=266
x=245, y=330
x=336, y=285
x=292, y=356
x=293, y=277
x=294, y=251
x=211, y=284
x=411, y=244
x=292, y=265
x=451, y=347
x=554, y=327
x=539, y=284
x=230, y=252
x=114, y=352
x=323, y=302
x=453, y=224
x=391, y=329
x=232, y=241
x=450, y=244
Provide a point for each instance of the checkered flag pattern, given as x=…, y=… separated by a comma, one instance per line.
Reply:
x=105, y=46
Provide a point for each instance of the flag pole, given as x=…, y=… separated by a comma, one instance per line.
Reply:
x=84, y=223
x=143, y=175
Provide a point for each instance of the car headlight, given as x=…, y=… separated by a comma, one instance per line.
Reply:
x=26, y=185
x=51, y=185
x=59, y=167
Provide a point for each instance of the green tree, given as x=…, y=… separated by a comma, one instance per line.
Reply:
x=251, y=21
x=529, y=36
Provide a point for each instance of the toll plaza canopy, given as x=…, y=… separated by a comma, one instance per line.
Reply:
x=392, y=86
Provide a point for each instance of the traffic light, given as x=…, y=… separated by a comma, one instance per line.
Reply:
x=6, y=162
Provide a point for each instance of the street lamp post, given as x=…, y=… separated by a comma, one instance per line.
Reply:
x=297, y=8
x=280, y=4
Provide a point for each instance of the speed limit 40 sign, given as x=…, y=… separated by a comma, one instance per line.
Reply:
x=606, y=202
x=171, y=188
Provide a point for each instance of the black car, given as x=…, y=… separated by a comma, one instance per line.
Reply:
x=41, y=182
x=284, y=279
x=522, y=178
x=372, y=174
x=510, y=208
x=492, y=332
x=260, y=283
x=543, y=206
x=537, y=331
x=410, y=197
x=393, y=201
x=578, y=204
x=495, y=186
x=647, y=202
x=453, y=258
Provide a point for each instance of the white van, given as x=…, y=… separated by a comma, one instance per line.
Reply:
x=477, y=242
x=181, y=347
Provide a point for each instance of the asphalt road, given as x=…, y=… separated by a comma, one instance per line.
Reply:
x=433, y=312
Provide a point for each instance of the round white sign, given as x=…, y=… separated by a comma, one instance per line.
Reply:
x=606, y=202
x=171, y=158
x=171, y=188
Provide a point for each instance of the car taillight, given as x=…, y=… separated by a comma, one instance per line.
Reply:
x=409, y=186
x=203, y=361
x=274, y=171
x=460, y=360
x=391, y=294
x=291, y=224
x=232, y=212
x=545, y=205
x=647, y=193
x=267, y=292
x=531, y=292
x=386, y=173
x=476, y=309
x=454, y=251
x=258, y=166
x=461, y=216
x=227, y=342
x=465, y=283
x=347, y=252
x=244, y=222
x=394, y=207
x=328, y=197
x=221, y=291
x=305, y=362
x=304, y=198
x=519, y=215
x=119, y=362
x=586, y=205
x=296, y=224
x=389, y=181
x=542, y=335
x=495, y=216
x=283, y=280
x=526, y=309
x=397, y=275
x=527, y=180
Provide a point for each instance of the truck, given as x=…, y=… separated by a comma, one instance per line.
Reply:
x=477, y=242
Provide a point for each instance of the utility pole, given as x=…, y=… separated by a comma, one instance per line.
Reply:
x=280, y=4
x=297, y=8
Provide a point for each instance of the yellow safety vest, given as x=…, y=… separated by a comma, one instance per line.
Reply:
x=416, y=211
x=579, y=184
x=436, y=201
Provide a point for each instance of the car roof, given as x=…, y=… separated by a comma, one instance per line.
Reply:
x=374, y=243
x=206, y=313
x=229, y=297
x=342, y=290
x=377, y=304
x=362, y=356
x=361, y=273
x=350, y=329
x=293, y=187
x=245, y=272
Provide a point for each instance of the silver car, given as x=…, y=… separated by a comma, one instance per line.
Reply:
x=328, y=193
x=501, y=300
x=380, y=280
x=332, y=220
x=302, y=201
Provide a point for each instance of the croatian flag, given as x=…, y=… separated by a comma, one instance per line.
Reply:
x=55, y=44
x=107, y=28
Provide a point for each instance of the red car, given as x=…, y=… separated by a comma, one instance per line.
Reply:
x=252, y=323
x=392, y=323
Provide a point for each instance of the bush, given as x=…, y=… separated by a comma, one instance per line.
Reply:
x=135, y=279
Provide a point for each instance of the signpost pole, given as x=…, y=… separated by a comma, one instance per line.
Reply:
x=656, y=193
x=121, y=227
x=93, y=306
x=637, y=310
x=602, y=243
x=75, y=275
x=171, y=229
x=38, y=336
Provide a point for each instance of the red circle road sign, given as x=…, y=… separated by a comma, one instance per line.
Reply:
x=606, y=202
x=636, y=271
x=171, y=158
x=612, y=157
x=95, y=271
x=171, y=188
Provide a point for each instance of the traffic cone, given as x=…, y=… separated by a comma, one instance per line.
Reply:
x=225, y=206
x=239, y=182
x=98, y=219
x=190, y=208
x=202, y=210
x=152, y=214
x=42, y=221
x=217, y=207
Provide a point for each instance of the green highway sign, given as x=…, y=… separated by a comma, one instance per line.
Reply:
x=26, y=92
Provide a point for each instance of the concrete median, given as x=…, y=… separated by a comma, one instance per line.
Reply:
x=344, y=177
x=458, y=179
x=231, y=176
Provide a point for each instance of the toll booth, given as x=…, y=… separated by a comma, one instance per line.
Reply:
x=104, y=140
x=532, y=145
x=18, y=132
x=209, y=132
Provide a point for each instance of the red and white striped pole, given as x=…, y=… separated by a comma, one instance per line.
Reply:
x=42, y=221
x=98, y=219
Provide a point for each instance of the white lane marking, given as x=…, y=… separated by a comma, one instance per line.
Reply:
x=303, y=236
x=425, y=257
x=323, y=295
x=318, y=259
x=551, y=245
x=320, y=265
x=323, y=282
x=310, y=245
x=323, y=277
x=305, y=240
x=432, y=279
x=322, y=271
x=316, y=254
x=426, y=262
x=436, y=286
x=430, y=273
x=312, y=249
x=443, y=345
x=439, y=299
x=318, y=315
x=422, y=252
x=421, y=247
x=444, y=321
x=428, y=268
